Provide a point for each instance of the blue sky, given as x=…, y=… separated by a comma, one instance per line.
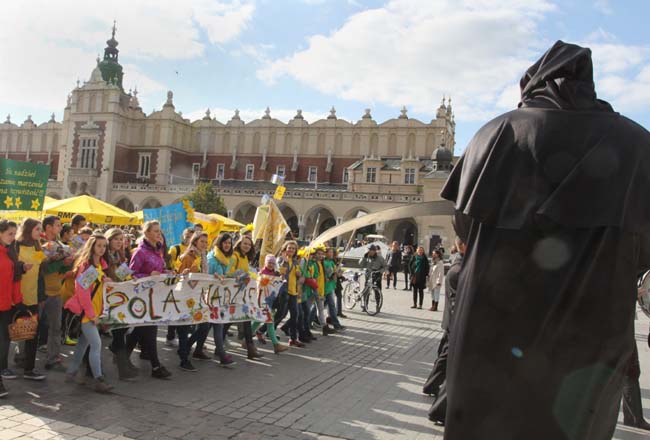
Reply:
x=314, y=54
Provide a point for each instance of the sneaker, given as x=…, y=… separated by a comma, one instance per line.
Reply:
x=8, y=374
x=160, y=373
x=340, y=328
x=101, y=386
x=33, y=375
x=54, y=366
x=414, y=306
x=171, y=343
x=70, y=341
x=200, y=355
x=341, y=315
x=187, y=366
x=226, y=360
x=296, y=343
x=3, y=391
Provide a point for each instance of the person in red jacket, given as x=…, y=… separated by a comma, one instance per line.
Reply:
x=10, y=298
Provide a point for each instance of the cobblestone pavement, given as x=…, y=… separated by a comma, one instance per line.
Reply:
x=362, y=384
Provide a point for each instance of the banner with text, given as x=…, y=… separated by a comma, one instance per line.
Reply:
x=173, y=220
x=192, y=299
x=22, y=185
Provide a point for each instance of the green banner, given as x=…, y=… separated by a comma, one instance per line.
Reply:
x=22, y=185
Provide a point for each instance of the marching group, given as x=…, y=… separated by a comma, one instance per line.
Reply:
x=40, y=267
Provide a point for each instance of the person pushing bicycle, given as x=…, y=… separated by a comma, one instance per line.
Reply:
x=374, y=265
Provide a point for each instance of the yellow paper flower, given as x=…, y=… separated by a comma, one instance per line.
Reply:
x=121, y=316
x=198, y=316
x=190, y=303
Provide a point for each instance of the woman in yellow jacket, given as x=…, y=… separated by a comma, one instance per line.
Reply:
x=29, y=252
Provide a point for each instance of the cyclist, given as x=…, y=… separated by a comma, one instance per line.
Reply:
x=374, y=265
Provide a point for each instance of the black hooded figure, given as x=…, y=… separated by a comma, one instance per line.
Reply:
x=552, y=202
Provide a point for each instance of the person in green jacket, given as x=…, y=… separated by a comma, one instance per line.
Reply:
x=329, y=263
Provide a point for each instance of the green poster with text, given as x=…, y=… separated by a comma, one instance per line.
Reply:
x=22, y=185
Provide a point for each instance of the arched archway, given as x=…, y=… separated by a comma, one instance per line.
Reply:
x=291, y=217
x=319, y=218
x=150, y=203
x=244, y=213
x=402, y=231
x=125, y=204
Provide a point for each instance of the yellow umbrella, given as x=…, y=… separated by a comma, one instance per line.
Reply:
x=95, y=211
x=227, y=224
x=139, y=216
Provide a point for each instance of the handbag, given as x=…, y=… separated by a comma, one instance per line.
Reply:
x=24, y=328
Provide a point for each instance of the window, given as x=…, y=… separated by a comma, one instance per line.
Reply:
x=409, y=176
x=144, y=164
x=312, y=177
x=88, y=154
x=250, y=171
x=221, y=171
x=371, y=175
x=280, y=170
x=346, y=176
x=196, y=170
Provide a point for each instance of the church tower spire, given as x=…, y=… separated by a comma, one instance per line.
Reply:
x=110, y=67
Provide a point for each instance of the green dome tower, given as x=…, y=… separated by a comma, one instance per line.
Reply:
x=111, y=70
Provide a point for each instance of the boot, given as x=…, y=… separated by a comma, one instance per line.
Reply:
x=123, y=369
x=632, y=408
x=279, y=348
x=327, y=330
x=252, y=352
x=435, y=306
x=101, y=386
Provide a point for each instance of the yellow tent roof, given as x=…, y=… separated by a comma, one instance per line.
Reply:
x=95, y=211
x=228, y=224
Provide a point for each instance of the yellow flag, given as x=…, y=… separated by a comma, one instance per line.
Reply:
x=275, y=230
x=279, y=192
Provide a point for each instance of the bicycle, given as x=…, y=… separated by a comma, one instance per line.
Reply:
x=353, y=293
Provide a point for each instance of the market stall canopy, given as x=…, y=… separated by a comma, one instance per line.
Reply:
x=95, y=211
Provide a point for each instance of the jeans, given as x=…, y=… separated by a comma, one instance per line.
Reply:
x=89, y=337
x=417, y=290
x=217, y=332
x=5, y=343
x=392, y=272
x=339, y=296
x=305, y=316
x=435, y=293
x=31, y=345
x=407, y=280
x=146, y=336
x=53, y=309
x=282, y=305
x=185, y=343
x=331, y=310
x=294, y=316
x=118, y=342
x=171, y=332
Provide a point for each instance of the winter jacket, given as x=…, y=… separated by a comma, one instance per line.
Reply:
x=394, y=261
x=147, y=259
x=10, y=293
x=422, y=274
x=219, y=263
x=436, y=274
x=373, y=264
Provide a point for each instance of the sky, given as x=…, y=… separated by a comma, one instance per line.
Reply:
x=315, y=54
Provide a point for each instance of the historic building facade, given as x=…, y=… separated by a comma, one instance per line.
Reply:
x=334, y=169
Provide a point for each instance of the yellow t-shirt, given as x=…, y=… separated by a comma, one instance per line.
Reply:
x=176, y=256
x=29, y=281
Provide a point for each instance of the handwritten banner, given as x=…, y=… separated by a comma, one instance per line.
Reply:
x=193, y=299
x=22, y=185
x=173, y=220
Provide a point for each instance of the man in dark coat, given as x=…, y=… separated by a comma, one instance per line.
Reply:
x=551, y=200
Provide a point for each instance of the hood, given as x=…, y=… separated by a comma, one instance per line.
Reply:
x=562, y=78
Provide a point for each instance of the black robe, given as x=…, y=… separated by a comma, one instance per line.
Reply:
x=553, y=201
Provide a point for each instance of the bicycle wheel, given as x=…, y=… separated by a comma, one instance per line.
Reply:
x=349, y=296
x=374, y=301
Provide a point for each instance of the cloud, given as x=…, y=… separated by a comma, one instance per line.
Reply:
x=411, y=52
x=45, y=46
x=603, y=7
x=223, y=115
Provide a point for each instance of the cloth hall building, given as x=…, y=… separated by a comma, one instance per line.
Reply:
x=334, y=170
